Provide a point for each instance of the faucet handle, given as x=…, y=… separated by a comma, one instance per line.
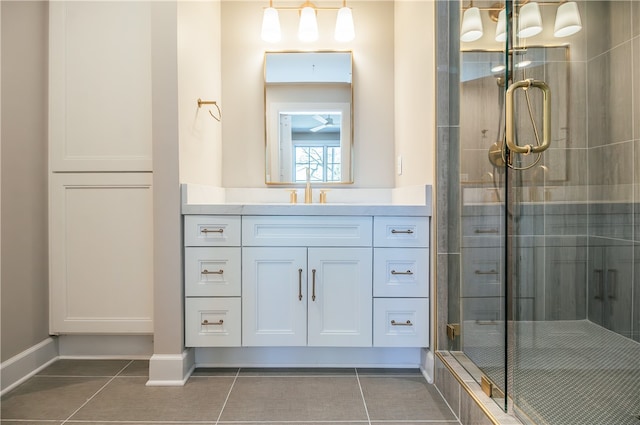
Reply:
x=323, y=196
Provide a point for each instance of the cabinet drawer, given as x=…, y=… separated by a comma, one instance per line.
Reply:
x=401, y=272
x=306, y=231
x=401, y=231
x=401, y=322
x=212, y=272
x=211, y=230
x=212, y=322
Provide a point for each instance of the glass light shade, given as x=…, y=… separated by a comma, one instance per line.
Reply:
x=271, y=25
x=344, y=25
x=530, y=21
x=567, y=20
x=471, y=28
x=501, y=27
x=308, y=27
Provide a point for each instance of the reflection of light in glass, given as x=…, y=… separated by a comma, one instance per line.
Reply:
x=471, y=28
x=523, y=64
x=501, y=27
x=567, y=20
x=498, y=68
x=530, y=21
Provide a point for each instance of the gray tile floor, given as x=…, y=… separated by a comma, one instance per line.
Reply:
x=114, y=392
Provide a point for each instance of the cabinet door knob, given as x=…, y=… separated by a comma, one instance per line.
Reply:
x=206, y=322
x=205, y=271
x=407, y=323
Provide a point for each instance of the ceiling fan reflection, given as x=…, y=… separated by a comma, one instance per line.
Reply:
x=325, y=122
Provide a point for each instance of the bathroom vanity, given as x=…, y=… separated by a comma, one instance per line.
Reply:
x=306, y=275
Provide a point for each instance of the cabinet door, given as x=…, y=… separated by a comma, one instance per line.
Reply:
x=100, y=86
x=274, y=296
x=101, y=253
x=340, y=297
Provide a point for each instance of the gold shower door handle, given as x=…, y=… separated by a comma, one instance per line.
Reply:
x=510, y=130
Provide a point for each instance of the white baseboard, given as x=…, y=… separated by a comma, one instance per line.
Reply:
x=308, y=357
x=23, y=366
x=171, y=369
x=428, y=365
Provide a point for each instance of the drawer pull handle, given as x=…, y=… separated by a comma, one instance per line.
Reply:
x=299, y=284
x=205, y=271
x=486, y=272
x=206, y=322
x=407, y=272
x=407, y=323
x=313, y=284
x=409, y=231
x=205, y=231
x=481, y=231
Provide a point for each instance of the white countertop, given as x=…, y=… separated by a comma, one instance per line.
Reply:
x=414, y=201
x=306, y=209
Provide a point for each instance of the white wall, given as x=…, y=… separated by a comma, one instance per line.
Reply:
x=24, y=288
x=242, y=87
x=199, y=70
x=415, y=92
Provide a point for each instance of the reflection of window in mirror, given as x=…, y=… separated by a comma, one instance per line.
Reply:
x=311, y=139
x=308, y=117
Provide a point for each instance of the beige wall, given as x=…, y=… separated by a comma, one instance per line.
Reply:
x=414, y=92
x=242, y=87
x=24, y=289
x=199, y=77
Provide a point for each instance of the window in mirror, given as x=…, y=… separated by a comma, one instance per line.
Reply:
x=308, y=107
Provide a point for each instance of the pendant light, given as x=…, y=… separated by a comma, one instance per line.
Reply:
x=308, y=27
x=471, y=28
x=530, y=20
x=567, y=20
x=344, y=31
x=271, y=24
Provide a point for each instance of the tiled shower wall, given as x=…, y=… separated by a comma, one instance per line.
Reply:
x=613, y=149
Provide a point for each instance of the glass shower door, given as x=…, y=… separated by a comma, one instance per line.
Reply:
x=573, y=257
x=483, y=301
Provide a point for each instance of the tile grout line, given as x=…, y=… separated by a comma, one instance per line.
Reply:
x=364, y=402
x=96, y=393
x=235, y=378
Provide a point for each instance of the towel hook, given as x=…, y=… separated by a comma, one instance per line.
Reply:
x=211, y=102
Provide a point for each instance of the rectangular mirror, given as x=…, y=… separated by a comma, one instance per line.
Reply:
x=308, y=117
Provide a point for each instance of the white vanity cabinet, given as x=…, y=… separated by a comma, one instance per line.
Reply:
x=314, y=291
x=306, y=280
x=212, y=281
x=299, y=296
x=401, y=282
